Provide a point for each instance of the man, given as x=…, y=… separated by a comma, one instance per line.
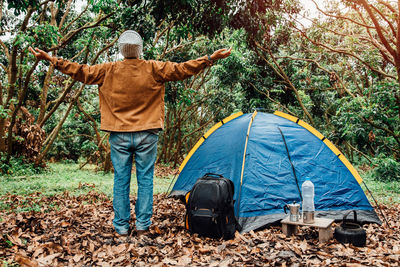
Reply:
x=131, y=94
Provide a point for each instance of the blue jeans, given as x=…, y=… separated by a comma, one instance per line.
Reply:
x=125, y=145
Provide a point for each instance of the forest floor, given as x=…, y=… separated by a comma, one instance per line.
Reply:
x=72, y=227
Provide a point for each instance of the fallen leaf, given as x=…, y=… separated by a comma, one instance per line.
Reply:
x=170, y=261
x=44, y=238
x=48, y=259
x=65, y=224
x=25, y=261
x=77, y=257
x=157, y=230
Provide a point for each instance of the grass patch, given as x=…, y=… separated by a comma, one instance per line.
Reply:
x=385, y=192
x=61, y=177
x=66, y=177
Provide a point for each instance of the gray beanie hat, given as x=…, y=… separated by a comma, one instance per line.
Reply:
x=130, y=44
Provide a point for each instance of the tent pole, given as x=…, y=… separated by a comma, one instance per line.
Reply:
x=291, y=163
x=173, y=179
x=244, y=161
x=383, y=215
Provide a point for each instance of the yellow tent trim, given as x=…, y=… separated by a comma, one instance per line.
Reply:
x=206, y=135
x=328, y=143
x=245, y=146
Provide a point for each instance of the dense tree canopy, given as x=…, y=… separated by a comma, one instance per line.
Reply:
x=340, y=73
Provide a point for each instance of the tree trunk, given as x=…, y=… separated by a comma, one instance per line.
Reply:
x=21, y=98
x=2, y=135
x=107, y=162
x=43, y=96
x=178, y=142
x=171, y=140
x=2, y=120
x=58, y=127
x=161, y=157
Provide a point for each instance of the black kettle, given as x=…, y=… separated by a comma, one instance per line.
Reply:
x=351, y=232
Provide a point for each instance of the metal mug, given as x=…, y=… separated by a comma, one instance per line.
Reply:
x=294, y=210
x=308, y=216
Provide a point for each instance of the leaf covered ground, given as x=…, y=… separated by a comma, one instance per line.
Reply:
x=72, y=230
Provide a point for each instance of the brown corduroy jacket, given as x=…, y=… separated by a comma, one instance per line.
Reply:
x=131, y=91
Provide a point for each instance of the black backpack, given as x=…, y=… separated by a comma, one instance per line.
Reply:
x=209, y=207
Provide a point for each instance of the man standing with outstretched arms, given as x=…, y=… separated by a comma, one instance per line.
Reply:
x=131, y=94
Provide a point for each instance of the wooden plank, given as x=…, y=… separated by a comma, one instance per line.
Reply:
x=289, y=229
x=323, y=224
x=324, y=234
x=318, y=222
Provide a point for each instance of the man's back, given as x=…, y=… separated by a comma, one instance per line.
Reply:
x=131, y=91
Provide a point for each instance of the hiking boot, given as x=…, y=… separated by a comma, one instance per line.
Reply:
x=122, y=233
x=142, y=232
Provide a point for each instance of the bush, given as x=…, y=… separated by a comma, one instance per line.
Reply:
x=19, y=167
x=388, y=169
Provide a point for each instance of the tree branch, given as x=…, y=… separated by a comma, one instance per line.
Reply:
x=266, y=93
x=387, y=34
x=50, y=139
x=166, y=44
x=346, y=53
x=53, y=11
x=384, y=17
x=57, y=103
x=159, y=34
x=340, y=17
x=71, y=34
x=382, y=50
x=45, y=2
x=6, y=51
x=67, y=10
x=26, y=20
x=1, y=9
x=21, y=98
x=103, y=50
x=386, y=4
x=378, y=29
x=180, y=46
x=369, y=39
x=287, y=80
x=3, y=67
x=89, y=117
x=324, y=69
x=390, y=132
x=78, y=17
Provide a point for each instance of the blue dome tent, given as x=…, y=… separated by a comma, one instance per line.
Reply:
x=268, y=157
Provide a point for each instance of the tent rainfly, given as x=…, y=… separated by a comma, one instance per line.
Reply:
x=268, y=157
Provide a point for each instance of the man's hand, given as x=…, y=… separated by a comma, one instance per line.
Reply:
x=221, y=53
x=40, y=54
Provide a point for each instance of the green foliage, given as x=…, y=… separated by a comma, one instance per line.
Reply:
x=206, y=17
x=105, y=6
x=20, y=6
x=18, y=166
x=263, y=20
x=388, y=169
x=4, y=113
x=374, y=113
x=42, y=35
x=77, y=138
x=367, y=118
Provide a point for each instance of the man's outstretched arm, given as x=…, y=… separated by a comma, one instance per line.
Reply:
x=221, y=53
x=40, y=54
x=80, y=72
x=171, y=71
